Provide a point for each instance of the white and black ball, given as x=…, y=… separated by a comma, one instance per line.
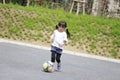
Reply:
x=48, y=66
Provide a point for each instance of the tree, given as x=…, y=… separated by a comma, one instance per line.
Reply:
x=96, y=7
x=3, y=1
x=28, y=3
x=109, y=8
x=114, y=8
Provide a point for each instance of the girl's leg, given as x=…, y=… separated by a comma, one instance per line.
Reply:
x=58, y=56
x=53, y=54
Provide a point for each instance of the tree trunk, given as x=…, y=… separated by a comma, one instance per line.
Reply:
x=3, y=1
x=109, y=8
x=28, y=3
x=96, y=7
x=114, y=8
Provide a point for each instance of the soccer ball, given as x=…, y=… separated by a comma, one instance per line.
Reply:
x=48, y=66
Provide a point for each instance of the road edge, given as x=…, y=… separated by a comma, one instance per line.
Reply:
x=65, y=51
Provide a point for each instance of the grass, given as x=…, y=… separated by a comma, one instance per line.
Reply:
x=37, y=23
x=114, y=53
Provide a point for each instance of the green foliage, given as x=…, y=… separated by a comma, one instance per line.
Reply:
x=117, y=42
x=113, y=52
x=92, y=45
x=14, y=29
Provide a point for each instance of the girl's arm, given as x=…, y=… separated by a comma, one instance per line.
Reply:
x=65, y=40
x=50, y=41
x=64, y=43
x=51, y=37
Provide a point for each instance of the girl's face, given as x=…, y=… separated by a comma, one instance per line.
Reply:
x=61, y=28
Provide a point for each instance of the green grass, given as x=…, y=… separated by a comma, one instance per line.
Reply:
x=114, y=53
x=38, y=23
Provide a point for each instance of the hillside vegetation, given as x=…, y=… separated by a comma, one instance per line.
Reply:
x=93, y=35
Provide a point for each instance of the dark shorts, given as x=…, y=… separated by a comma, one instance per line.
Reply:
x=56, y=49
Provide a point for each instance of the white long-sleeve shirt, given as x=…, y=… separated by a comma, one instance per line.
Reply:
x=59, y=38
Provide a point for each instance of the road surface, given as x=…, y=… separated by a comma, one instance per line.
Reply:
x=19, y=62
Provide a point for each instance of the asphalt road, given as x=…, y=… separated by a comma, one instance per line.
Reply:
x=25, y=63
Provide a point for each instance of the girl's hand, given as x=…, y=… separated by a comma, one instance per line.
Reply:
x=61, y=45
x=50, y=41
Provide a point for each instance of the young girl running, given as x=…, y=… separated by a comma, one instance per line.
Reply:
x=58, y=39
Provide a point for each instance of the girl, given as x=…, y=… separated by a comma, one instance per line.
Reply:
x=59, y=38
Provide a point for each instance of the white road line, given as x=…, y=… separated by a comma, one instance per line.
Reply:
x=65, y=51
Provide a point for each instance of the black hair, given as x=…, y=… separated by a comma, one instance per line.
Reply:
x=64, y=24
